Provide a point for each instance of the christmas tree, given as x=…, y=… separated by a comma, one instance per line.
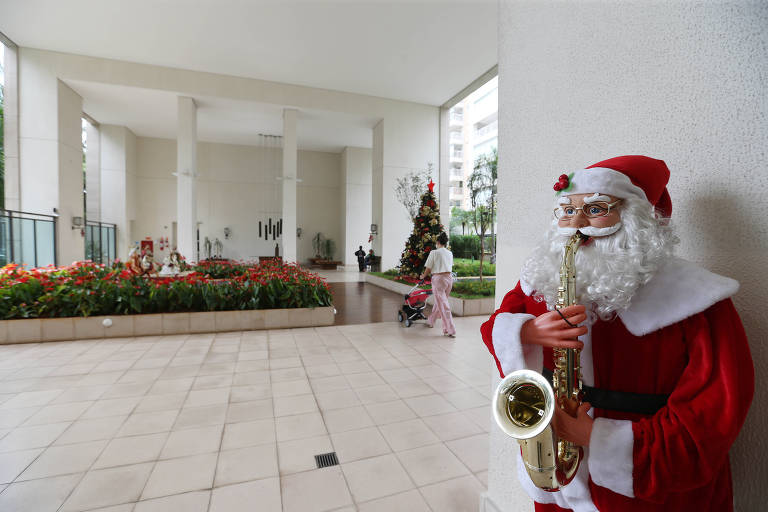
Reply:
x=426, y=227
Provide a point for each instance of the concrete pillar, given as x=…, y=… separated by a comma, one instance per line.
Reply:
x=290, y=172
x=356, y=176
x=116, y=186
x=403, y=142
x=93, y=173
x=50, y=152
x=377, y=191
x=11, y=129
x=444, y=170
x=186, y=178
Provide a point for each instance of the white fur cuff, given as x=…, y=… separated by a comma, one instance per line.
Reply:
x=610, y=455
x=512, y=354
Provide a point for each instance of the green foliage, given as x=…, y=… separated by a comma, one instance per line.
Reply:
x=329, y=248
x=472, y=289
x=423, y=239
x=86, y=289
x=465, y=246
x=469, y=268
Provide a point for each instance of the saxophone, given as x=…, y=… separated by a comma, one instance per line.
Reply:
x=525, y=401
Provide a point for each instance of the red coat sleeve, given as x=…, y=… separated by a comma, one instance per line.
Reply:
x=684, y=445
x=513, y=302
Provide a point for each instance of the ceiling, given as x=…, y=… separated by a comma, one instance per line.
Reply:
x=153, y=113
x=423, y=51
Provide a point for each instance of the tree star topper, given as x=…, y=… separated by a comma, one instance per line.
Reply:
x=431, y=186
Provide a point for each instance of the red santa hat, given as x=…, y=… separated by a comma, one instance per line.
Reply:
x=624, y=176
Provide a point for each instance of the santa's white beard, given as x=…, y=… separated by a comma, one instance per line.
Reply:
x=609, y=269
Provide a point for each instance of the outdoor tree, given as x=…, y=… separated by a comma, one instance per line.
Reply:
x=409, y=188
x=423, y=239
x=482, y=193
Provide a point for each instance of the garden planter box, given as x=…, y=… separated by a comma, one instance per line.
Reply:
x=36, y=330
x=459, y=307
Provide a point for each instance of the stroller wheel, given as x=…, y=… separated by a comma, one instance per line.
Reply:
x=399, y=316
x=408, y=322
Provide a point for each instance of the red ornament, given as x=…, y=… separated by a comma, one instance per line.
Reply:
x=563, y=182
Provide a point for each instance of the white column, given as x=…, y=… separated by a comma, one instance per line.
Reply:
x=356, y=201
x=50, y=151
x=290, y=172
x=186, y=178
x=11, y=130
x=377, y=196
x=116, y=190
x=93, y=174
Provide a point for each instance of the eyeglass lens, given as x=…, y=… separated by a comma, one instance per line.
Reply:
x=599, y=209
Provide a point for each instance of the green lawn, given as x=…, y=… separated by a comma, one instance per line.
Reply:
x=461, y=289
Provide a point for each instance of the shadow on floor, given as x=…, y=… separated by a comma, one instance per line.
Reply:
x=362, y=303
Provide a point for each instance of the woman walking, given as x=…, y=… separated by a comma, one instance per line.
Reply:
x=439, y=265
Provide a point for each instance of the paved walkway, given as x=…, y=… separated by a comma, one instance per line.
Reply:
x=232, y=421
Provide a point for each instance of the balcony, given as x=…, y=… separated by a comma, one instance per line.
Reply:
x=487, y=131
x=456, y=192
x=456, y=138
x=456, y=175
x=455, y=119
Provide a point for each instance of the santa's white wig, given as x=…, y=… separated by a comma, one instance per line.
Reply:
x=609, y=269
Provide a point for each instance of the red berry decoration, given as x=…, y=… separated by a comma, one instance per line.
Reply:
x=563, y=177
x=558, y=187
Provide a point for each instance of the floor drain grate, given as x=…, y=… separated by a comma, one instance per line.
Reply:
x=326, y=460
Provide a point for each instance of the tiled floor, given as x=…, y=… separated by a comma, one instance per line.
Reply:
x=231, y=422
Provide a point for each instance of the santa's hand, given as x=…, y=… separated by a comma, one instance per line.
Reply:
x=551, y=330
x=576, y=430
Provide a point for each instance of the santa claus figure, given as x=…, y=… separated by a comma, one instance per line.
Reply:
x=666, y=369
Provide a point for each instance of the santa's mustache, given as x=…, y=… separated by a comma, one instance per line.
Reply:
x=589, y=230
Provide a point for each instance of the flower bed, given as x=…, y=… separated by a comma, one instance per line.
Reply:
x=86, y=289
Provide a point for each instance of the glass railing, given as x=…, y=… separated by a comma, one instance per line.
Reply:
x=100, y=242
x=487, y=129
x=27, y=238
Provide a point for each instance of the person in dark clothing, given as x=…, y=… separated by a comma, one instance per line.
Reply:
x=369, y=258
x=360, y=253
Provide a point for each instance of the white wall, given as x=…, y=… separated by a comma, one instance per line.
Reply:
x=318, y=201
x=356, y=189
x=581, y=82
x=237, y=187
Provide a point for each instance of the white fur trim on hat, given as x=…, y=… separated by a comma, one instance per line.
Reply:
x=604, y=181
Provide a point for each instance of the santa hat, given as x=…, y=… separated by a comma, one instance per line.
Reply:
x=624, y=176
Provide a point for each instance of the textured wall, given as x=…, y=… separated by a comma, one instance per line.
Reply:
x=684, y=82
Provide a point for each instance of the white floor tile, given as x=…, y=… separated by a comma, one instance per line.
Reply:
x=315, y=491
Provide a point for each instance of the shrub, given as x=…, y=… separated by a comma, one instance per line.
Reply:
x=465, y=246
x=88, y=289
x=474, y=288
x=469, y=268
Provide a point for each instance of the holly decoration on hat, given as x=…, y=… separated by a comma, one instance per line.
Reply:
x=563, y=183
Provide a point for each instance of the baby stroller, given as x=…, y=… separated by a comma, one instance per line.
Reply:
x=413, y=307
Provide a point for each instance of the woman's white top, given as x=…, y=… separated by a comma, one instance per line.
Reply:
x=440, y=260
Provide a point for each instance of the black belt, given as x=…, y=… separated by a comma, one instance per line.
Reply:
x=622, y=401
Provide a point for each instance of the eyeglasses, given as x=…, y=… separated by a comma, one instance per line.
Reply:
x=591, y=210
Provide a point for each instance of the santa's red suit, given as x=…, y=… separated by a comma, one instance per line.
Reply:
x=680, y=337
